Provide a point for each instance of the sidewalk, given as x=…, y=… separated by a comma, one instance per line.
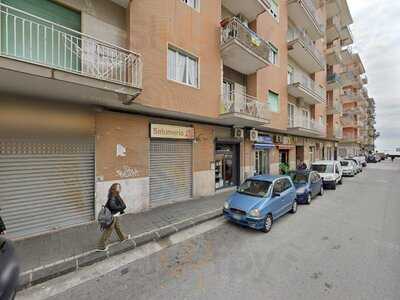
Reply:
x=56, y=253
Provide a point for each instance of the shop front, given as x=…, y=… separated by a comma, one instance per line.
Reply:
x=262, y=147
x=171, y=163
x=226, y=164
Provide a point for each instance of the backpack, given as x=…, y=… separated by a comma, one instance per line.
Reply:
x=105, y=218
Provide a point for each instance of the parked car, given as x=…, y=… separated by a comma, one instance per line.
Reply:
x=357, y=163
x=9, y=270
x=371, y=159
x=349, y=167
x=308, y=185
x=260, y=200
x=330, y=171
x=362, y=160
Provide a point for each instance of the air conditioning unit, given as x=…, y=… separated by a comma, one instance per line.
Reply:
x=238, y=133
x=253, y=135
x=278, y=139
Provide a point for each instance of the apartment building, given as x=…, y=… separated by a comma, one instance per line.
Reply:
x=173, y=99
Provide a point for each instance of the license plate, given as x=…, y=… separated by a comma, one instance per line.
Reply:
x=237, y=217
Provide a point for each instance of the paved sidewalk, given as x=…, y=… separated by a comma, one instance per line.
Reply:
x=50, y=255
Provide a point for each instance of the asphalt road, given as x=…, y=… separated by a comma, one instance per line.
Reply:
x=345, y=245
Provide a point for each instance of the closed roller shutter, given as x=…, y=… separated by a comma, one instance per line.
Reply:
x=46, y=185
x=170, y=171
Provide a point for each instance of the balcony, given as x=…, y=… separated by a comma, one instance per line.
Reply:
x=333, y=81
x=364, y=79
x=243, y=110
x=350, y=79
x=332, y=29
x=304, y=14
x=39, y=58
x=350, y=138
x=333, y=8
x=350, y=96
x=337, y=132
x=334, y=107
x=303, y=51
x=249, y=9
x=305, y=125
x=346, y=36
x=350, y=121
x=333, y=55
x=303, y=87
x=352, y=111
x=242, y=49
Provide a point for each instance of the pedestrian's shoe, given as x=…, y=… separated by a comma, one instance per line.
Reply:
x=102, y=249
x=129, y=237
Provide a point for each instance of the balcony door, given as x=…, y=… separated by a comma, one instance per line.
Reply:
x=228, y=94
x=30, y=30
x=305, y=118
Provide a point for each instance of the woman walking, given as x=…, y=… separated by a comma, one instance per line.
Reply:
x=116, y=206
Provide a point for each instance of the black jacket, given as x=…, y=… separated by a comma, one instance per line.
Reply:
x=2, y=226
x=116, y=205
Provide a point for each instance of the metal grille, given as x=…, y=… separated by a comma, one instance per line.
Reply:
x=46, y=186
x=170, y=171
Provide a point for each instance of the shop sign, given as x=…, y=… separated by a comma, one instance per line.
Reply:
x=163, y=131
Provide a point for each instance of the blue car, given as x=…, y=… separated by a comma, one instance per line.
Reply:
x=260, y=200
x=308, y=185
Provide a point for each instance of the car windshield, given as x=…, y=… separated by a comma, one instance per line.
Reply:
x=258, y=188
x=344, y=163
x=322, y=168
x=298, y=177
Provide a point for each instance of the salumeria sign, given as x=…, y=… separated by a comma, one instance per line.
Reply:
x=171, y=132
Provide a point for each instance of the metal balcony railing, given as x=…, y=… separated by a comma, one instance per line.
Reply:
x=35, y=40
x=235, y=30
x=310, y=6
x=333, y=77
x=238, y=102
x=335, y=22
x=307, y=83
x=296, y=33
x=306, y=123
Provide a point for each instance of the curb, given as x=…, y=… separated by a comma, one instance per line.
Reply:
x=74, y=263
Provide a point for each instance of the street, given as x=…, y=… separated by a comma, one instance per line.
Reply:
x=345, y=245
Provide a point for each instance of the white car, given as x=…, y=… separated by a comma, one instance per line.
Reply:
x=358, y=164
x=330, y=171
x=362, y=160
x=349, y=167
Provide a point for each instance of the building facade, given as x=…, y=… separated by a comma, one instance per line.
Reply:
x=173, y=99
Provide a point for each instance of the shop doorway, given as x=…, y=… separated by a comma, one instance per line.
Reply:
x=261, y=162
x=299, y=155
x=226, y=165
x=283, y=161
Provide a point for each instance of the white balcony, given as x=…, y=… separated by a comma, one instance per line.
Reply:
x=303, y=87
x=333, y=8
x=346, y=36
x=350, y=78
x=303, y=125
x=250, y=8
x=242, y=49
x=333, y=55
x=333, y=81
x=40, y=58
x=349, y=96
x=334, y=107
x=304, y=14
x=333, y=29
x=303, y=51
x=243, y=110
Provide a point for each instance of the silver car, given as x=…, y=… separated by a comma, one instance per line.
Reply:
x=349, y=167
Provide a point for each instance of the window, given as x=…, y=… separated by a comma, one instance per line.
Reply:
x=274, y=8
x=261, y=162
x=273, y=54
x=312, y=155
x=182, y=67
x=305, y=119
x=321, y=120
x=290, y=74
x=273, y=101
x=286, y=184
x=291, y=109
x=192, y=3
x=278, y=186
x=256, y=188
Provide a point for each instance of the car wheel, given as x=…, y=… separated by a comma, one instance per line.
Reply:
x=268, y=223
x=308, y=199
x=294, y=207
x=321, y=190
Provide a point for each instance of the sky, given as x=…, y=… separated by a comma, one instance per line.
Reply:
x=376, y=31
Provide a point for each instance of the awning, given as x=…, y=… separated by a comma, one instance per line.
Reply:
x=263, y=142
x=286, y=147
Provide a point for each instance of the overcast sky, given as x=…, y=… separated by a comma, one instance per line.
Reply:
x=376, y=31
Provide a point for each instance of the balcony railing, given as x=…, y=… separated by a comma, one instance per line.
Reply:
x=333, y=77
x=310, y=6
x=350, y=138
x=235, y=30
x=309, y=84
x=334, y=107
x=240, y=103
x=296, y=33
x=35, y=40
x=306, y=123
x=334, y=22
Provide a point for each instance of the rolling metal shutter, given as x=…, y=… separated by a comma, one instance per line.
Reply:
x=46, y=185
x=170, y=171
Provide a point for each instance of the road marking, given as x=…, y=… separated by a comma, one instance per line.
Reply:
x=62, y=284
